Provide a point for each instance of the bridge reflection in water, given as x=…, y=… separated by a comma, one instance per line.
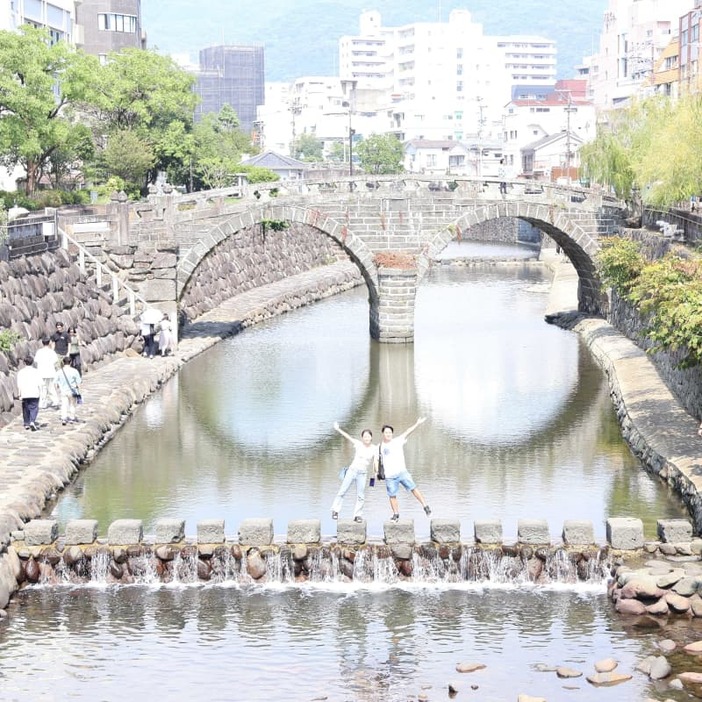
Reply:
x=213, y=444
x=520, y=422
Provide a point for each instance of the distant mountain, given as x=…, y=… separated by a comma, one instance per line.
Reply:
x=301, y=37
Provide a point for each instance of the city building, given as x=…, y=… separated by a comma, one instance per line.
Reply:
x=544, y=158
x=444, y=80
x=285, y=167
x=690, y=56
x=106, y=26
x=232, y=75
x=634, y=34
x=564, y=109
x=57, y=16
x=665, y=79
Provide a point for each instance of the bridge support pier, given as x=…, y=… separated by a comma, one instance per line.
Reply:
x=392, y=314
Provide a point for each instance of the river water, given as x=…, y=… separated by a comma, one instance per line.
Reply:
x=520, y=425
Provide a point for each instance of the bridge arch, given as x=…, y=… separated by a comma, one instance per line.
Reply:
x=571, y=234
x=353, y=245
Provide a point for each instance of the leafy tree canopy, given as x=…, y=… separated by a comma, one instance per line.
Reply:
x=650, y=148
x=39, y=82
x=381, y=154
x=307, y=147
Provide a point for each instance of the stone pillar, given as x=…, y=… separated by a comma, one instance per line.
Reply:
x=392, y=319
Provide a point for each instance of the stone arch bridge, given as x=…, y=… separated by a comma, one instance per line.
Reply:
x=390, y=226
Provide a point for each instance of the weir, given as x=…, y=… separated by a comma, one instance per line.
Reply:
x=127, y=557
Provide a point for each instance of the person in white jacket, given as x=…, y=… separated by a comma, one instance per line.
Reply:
x=29, y=386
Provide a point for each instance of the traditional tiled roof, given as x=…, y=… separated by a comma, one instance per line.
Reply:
x=275, y=162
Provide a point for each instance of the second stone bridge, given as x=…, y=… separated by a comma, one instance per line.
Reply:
x=390, y=226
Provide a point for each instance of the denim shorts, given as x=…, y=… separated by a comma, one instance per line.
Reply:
x=392, y=485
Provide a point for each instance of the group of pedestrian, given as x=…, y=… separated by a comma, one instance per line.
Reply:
x=157, y=332
x=52, y=378
x=385, y=460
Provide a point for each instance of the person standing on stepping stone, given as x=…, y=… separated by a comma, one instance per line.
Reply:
x=364, y=460
x=392, y=453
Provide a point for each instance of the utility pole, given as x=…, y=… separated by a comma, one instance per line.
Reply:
x=348, y=86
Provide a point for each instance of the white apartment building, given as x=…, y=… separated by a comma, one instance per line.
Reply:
x=634, y=33
x=444, y=80
x=564, y=110
x=58, y=16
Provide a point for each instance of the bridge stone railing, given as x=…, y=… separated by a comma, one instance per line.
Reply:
x=472, y=188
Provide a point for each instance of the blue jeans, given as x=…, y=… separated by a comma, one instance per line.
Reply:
x=360, y=478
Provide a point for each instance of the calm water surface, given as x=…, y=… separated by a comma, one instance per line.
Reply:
x=519, y=426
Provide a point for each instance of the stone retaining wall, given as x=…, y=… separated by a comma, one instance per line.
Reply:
x=253, y=257
x=684, y=383
x=38, y=291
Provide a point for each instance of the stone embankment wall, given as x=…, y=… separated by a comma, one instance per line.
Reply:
x=125, y=556
x=684, y=383
x=38, y=291
x=254, y=257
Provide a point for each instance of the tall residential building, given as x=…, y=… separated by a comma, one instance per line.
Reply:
x=444, y=80
x=232, y=75
x=105, y=26
x=634, y=33
x=690, y=29
x=58, y=16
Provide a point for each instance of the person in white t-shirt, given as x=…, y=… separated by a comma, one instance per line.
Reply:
x=364, y=461
x=392, y=454
x=47, y=361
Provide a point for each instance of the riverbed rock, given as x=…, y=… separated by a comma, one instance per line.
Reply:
x=677, y=603
x=667, y=645
x=529, y=698
x=255, y=565
x=658, y=608
x=607, y=679
x=563, y=672
x=642, y=587
x=469, y=667
x=607, y=665
x=693, y=647
x=630, y=607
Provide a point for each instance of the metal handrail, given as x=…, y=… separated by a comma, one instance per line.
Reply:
x=100, y=269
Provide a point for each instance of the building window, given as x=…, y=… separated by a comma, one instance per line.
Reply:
x=111, y=22
x=431, y=160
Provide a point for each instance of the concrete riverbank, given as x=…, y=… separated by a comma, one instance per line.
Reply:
x=653, y=422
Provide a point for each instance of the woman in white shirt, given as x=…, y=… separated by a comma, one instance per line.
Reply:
x=364, y=460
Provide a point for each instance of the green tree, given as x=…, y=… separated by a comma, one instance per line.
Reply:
x=218, y=145
x=381, y=154
x=307, y=147
x=149, y=95
x=129, y=157
x=39, y=81
x=649, y=149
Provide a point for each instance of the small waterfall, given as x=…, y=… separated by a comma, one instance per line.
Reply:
x=184, y=567
x=100, y=566
x=322, y=564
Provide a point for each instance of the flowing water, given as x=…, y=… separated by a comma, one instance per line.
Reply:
x=520, y=425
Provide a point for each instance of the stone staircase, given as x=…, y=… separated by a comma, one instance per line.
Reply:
x=120, y=294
